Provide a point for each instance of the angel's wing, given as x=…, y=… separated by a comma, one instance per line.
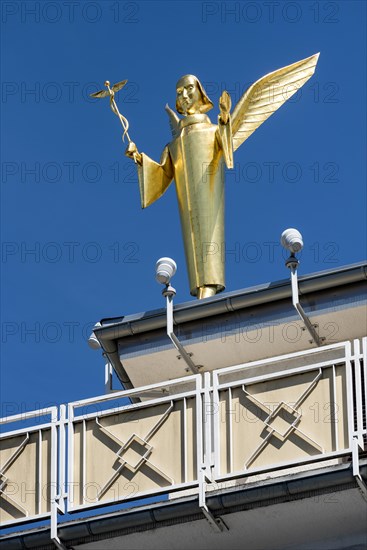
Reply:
x=266, y=95
x=173, y=120
x=117, y=87
x=101, y=93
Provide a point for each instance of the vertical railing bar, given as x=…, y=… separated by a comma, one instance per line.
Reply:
x=350, y=401
x=358, y=389
x=207, y=420
x=210, y=422
x=62, y=457
x=83, y=443
x=70, y=461
x=54, y=448
x=230, y=430
x=355, y=457
x=216, y=423
x=185, y=438
x=213, y=413
x=335, y=415
x=39, y=490
x=107, y=384
x=199, y=425
x=56, y=422
x=364, y=359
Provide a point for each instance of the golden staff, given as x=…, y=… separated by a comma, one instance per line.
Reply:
x=110, y=92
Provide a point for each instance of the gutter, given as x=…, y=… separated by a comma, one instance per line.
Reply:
x=186, y=509
x=108, y=331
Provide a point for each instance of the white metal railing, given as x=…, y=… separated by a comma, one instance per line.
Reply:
x=138, y=459
x=292, y=416
x=274, y=414
x=359, y=396
x=28, y=472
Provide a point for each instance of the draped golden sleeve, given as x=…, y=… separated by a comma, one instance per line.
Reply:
x=154, y=178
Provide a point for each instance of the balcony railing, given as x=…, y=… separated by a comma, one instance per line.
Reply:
x=291, y=411
x=28, y=467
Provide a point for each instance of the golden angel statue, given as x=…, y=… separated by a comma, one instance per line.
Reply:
x=195, y=160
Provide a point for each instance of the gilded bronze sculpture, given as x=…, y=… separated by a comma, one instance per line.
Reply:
x=196, y=156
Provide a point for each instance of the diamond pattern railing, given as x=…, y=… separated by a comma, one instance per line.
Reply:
x=28, y=476
x=255, y=418
x=290, y=416
x=137, y=450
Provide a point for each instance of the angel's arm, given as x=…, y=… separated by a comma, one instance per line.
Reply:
x=264, y=97
x=225, y=128
x=225, y=104
x=154, y=178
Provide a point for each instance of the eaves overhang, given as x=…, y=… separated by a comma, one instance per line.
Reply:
x=121, y=327
x=111, y=332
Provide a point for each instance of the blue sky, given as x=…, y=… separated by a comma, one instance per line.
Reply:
x=76, y=246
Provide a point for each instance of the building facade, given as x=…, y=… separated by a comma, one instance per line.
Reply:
x=241, y=425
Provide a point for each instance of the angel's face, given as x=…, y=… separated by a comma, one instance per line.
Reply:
x=188, y=98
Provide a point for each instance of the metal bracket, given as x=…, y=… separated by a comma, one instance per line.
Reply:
x=217, y=524
x=355, y=462
x=169, y=292
x=57, y=542
x=54, y=537
x=362, y=487
x=292, y=264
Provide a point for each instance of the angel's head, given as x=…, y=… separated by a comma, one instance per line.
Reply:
x=191, y=97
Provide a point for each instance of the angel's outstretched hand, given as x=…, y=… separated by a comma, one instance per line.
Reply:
x=133, y=153
x=225, y=106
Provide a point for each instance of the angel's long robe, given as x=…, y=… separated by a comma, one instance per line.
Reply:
x=195, y=160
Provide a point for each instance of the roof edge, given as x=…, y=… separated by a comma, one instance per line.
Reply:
x=112, y=329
